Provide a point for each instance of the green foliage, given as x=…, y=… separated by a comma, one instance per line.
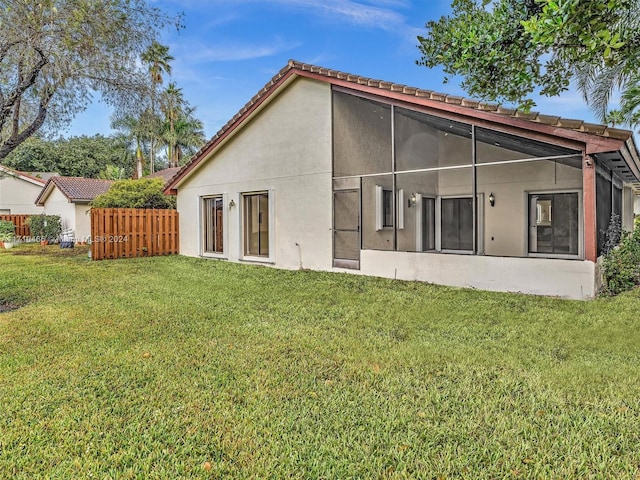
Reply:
x=143, y=193
x=613, y=234
x=506, y=50
x=148, y=368
x=7, y=230
x=45, y=227
x=72, y=157
x=112, y=173
x=56, y=53
x=621, y=265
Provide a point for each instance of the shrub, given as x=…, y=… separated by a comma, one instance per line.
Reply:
x=47, y=227
x=143, y=193
x=613, y=234
x=621, y=265
x=7, y=231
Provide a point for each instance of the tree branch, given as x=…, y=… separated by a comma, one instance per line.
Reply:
x=24, y=83
x=17, y=137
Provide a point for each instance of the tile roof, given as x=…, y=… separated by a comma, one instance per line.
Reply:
x=166, y=174
x=407, y=93
x=76, y=189
x=24, y=176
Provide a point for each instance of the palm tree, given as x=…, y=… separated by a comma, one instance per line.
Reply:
x=172, y=104
x=630, y=105
x=158, y=59
x=189, y=135
x=135, y=129
x=598, y=82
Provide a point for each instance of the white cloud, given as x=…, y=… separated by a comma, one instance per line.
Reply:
x=233, y=51
x=374, y=13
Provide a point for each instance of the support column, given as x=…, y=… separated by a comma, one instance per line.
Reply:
x=589, y=206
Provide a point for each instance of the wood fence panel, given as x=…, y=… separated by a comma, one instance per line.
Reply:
x=20, y=221
x=133, y=232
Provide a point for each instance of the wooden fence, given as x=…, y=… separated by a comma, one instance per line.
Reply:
x=20, y=221
x=133, y=232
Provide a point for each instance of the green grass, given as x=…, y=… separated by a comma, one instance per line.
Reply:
x=149, y=368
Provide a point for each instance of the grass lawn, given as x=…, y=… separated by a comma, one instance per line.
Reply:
x=177, y=367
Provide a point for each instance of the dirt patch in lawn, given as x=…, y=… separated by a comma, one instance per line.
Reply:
x=6, y=306
x=51, y=250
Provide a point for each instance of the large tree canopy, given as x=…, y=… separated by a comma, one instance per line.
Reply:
x=74, y=157
x=55, y=53
x=507, y=50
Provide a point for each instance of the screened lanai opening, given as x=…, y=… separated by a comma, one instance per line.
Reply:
x=608, y=202
x=532, y=196
x=432, y=184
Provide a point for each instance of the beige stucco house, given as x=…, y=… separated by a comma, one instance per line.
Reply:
x=332, y=171
x=18, y=192
x=69, y=197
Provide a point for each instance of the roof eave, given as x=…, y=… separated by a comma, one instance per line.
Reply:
x=44, y=193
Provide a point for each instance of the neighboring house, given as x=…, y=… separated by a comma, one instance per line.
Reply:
x=166, y=174
x=18, y=192
x=69, y=197
x=332, y=171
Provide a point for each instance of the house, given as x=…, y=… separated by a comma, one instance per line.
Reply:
x=332, y=171
x=18, y=192
x=69, y=197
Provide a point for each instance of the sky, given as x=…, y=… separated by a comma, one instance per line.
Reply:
x=229, y=49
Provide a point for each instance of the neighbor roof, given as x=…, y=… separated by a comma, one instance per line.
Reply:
x=76, y=189
x=22, y=175
x=597, y=138
x=166, y=174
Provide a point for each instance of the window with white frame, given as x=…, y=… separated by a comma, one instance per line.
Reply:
x=213, y=222
x=256, y=228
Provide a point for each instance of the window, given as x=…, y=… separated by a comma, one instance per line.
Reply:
x=427, y=239
x=213, y=225
x=457, y=224
x=256, y=224
x=553, y=223
x=387, y=209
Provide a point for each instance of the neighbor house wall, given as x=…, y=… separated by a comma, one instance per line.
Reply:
x=285, y=149
x=83, y=222
x=19, y=196
x=57, y=204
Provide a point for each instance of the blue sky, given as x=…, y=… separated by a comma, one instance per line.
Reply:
x=231, y=48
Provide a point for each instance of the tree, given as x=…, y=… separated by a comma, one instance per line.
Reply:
x=55, y=53
x=181, y=131
x=143, y=193
x=136, y=129
x=506, y=50
x=111, y=172
x=158, y=61
x=189, y=137
x=76, y=156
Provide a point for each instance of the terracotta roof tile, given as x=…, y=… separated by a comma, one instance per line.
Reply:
x=547, y=119
x=25, y=176
x=166, y=174
x=77, y=189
